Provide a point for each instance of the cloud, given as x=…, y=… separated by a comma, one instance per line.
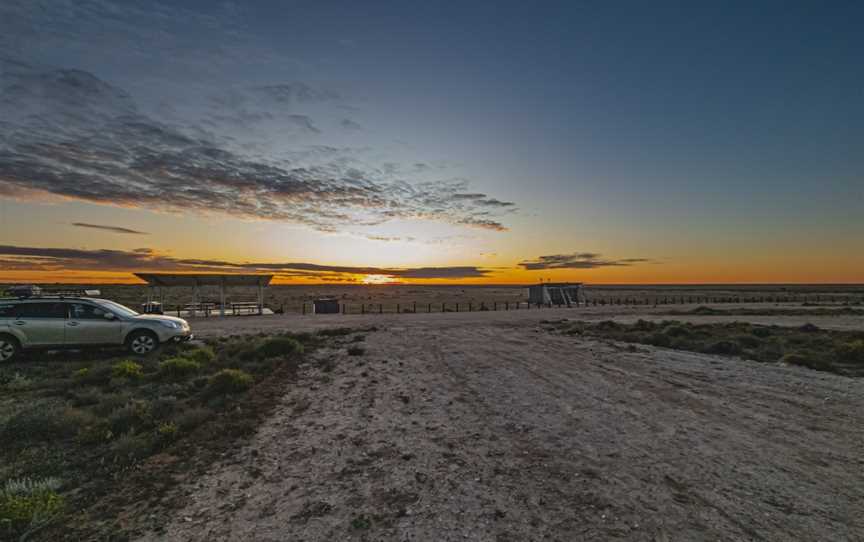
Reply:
x=577, y=260
x=67, y=133
x=145, y=259
x=349, y=124
x=114, y=229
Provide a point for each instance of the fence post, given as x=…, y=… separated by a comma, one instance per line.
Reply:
x=363, y=308
x=470, y=306
x=429, y=308
x=398, y=309
x=304, y=308
x=494, y=305
x=380, y=308
x=415, y=307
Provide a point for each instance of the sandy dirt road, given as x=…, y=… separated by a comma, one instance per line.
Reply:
x=503, y=431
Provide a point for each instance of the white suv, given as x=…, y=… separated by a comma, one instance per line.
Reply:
x=54, y=322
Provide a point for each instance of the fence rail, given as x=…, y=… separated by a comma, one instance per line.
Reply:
x=654, y=301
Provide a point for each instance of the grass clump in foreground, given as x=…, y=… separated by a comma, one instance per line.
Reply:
x=807, y=346
x=95, y=421
x=28, y=504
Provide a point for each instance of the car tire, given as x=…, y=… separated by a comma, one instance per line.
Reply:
x=141, y=343
x=10, y=349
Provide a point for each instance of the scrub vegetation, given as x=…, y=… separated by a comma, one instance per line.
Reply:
x=839, y=352
x=85, y=433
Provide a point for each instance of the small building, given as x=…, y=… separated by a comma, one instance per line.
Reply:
x=326, y=306
x=557, y=293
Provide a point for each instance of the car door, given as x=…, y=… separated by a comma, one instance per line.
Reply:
x=87, y=324
x=42, y=323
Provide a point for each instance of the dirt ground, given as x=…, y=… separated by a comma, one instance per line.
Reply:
x=501, y=430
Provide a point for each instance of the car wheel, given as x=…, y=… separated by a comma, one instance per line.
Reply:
x=142, y=343
x=9, y=348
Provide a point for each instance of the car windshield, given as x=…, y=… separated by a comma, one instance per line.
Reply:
x=117, y=308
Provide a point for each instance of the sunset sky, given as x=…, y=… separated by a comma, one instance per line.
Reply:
x=472, y=142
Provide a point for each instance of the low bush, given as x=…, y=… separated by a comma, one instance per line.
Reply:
x=747, y=341
x=32, y=425
x=201, y=355
x=280, y=346
x=127, y=369
x=164, y=407
x=26, y=503
x=852, y=352
x=356, y=351
x=131, y=448
x=676, y=330
x=166, y=433
x=761, y=331
x=229, y=381
x=178, y=368
x=724, y=348
x=192, y=418
x=807, y=360
x=133, y=416
x=18, y=382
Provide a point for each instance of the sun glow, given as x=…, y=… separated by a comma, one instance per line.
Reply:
x=379, y=279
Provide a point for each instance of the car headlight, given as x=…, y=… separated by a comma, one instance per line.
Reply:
x=170, y=324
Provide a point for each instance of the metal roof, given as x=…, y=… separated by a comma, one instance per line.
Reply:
x=203, y=279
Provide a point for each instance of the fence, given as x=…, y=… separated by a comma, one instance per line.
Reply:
x=650, y=301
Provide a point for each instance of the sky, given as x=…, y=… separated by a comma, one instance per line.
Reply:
x=433, y=142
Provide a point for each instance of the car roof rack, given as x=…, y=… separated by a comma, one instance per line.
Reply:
x=35, y=292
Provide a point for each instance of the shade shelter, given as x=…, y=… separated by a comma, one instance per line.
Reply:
x=556, y=293
x=156, y=283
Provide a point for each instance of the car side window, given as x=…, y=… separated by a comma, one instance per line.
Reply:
x=84, y=311
x=41, y=310
x=7, y=310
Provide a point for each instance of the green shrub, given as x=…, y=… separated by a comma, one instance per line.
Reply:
x=178, y=368
x=676, y=331
x=18, y=382
x=131, y=448
x=747, y=341
x=26, y=503
x=280, y=346
x=132, y=416
x=192, y=418
x=127, y=369
x=167, y=432
x=110, y=402
x=644, y=325
x=163, y=407
x=97, y=433
x=32, y=425
x=94, y=376
x=724, y=348
x=658, y=339
x=229, y=381
x=851, y=352
x=761, y=331
x=807, y=360
x=202, y=355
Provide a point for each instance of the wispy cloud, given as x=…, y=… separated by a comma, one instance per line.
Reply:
x=21, y=258
x=578, y=260
x=113, y=229
x=73, y=135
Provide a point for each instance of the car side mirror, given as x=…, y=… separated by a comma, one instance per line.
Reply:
x=109, y=316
